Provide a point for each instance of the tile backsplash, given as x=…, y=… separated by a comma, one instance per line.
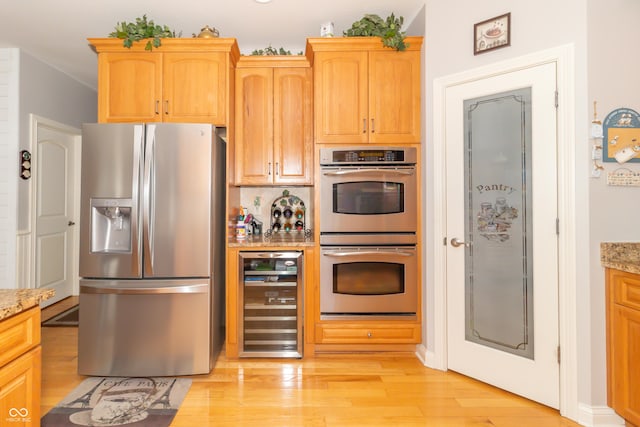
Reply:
x=258, y=201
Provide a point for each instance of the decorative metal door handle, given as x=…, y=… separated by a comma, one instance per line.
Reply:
x=70, y=223
x=455, y=242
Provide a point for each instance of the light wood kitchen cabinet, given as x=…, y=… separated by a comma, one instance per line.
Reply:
x=183, y=80
x=20, y=368
x=623, y=338
x=274, y=130
x=365, y=92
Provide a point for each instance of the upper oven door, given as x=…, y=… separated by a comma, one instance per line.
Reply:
x=368, y=199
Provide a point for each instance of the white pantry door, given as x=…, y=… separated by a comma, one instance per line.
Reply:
x=55, y=224
x=502, y=242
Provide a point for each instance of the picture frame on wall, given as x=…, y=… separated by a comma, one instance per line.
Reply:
x=494, y=33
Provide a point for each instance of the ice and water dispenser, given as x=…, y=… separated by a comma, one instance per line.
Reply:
x=111, y=225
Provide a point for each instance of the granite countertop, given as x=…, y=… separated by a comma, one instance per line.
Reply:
x=14, y=301
x=624, y=256
x=295, y=239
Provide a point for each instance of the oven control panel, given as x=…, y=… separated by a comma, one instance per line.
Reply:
x=341, y=156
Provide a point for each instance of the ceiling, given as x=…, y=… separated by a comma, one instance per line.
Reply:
x=56, y=32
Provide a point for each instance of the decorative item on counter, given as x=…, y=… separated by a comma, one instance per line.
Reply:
x=621, y=133
x=287, y=213
x=256, y=226
x=207, y=33
x=241, y=229
x=241, y=225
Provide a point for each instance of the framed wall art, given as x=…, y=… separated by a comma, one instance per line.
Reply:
x=621, y=136
x=492, y=34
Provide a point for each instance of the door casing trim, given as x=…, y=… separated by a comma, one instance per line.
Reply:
x=563, y=57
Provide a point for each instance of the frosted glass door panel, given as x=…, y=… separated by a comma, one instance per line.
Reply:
x=498, y=229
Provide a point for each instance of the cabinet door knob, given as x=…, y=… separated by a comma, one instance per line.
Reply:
x=369, y=334
x=157, y=106
x=166, y=107
x=373, y=126
x=364, y=125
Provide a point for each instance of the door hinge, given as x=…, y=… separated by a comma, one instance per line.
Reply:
x=558, y=355
x=556, y=99
x=558, y=226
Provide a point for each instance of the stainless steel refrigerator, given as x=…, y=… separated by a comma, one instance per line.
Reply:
x=151, y=249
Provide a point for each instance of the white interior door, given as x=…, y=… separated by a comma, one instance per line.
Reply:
x=502, y=249
x=54, y=206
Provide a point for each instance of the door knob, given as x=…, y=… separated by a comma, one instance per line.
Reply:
x=70, y=223
x=455, y=242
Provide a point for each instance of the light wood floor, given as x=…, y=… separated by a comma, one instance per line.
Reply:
x=332, y=390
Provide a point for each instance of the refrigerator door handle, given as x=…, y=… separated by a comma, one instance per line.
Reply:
x=138, y=135
x=149, y=193
x=121, y=289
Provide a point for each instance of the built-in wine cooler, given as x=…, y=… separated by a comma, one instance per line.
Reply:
x=271, y=298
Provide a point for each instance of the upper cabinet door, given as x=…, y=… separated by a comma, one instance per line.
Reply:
x=194, y=87
x=341, y=99
x=185, y=80
x=129, y=87
x=394, y=97
x=254, y=126
x=293, y=125
x=365, y=92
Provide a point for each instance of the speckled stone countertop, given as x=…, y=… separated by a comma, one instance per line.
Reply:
x=14, y=301
x=624, y=256
x=296, y=239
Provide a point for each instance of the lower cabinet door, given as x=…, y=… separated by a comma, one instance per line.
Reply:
x=20, y=390
x=625, y=358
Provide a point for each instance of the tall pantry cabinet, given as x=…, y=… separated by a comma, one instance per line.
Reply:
x=183, y=80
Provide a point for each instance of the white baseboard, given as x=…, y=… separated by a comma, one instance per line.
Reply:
x=421, y=353
x=429, y=358
x=598, y=416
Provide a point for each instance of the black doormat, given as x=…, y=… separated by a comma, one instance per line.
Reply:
x=68, y=317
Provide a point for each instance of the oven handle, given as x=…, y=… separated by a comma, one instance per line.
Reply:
x=368, y=171
x=352, y=253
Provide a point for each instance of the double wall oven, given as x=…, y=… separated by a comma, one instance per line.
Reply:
x=368, y=225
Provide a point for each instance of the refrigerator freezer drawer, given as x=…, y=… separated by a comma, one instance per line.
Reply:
x=144, y=328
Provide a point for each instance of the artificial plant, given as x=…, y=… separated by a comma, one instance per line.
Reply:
x=141, y=29
x=387, y=29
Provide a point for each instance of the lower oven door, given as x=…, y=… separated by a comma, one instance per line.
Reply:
x=373, y=281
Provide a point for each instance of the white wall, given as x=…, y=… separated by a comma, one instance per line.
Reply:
x=614, y=82
x=535, y=26
x=51, y=94
x=29, y=86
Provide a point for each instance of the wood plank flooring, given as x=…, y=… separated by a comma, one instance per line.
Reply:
x=325, y=391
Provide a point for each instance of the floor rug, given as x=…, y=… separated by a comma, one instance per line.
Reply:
x=134, y=402
x=68, y=317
